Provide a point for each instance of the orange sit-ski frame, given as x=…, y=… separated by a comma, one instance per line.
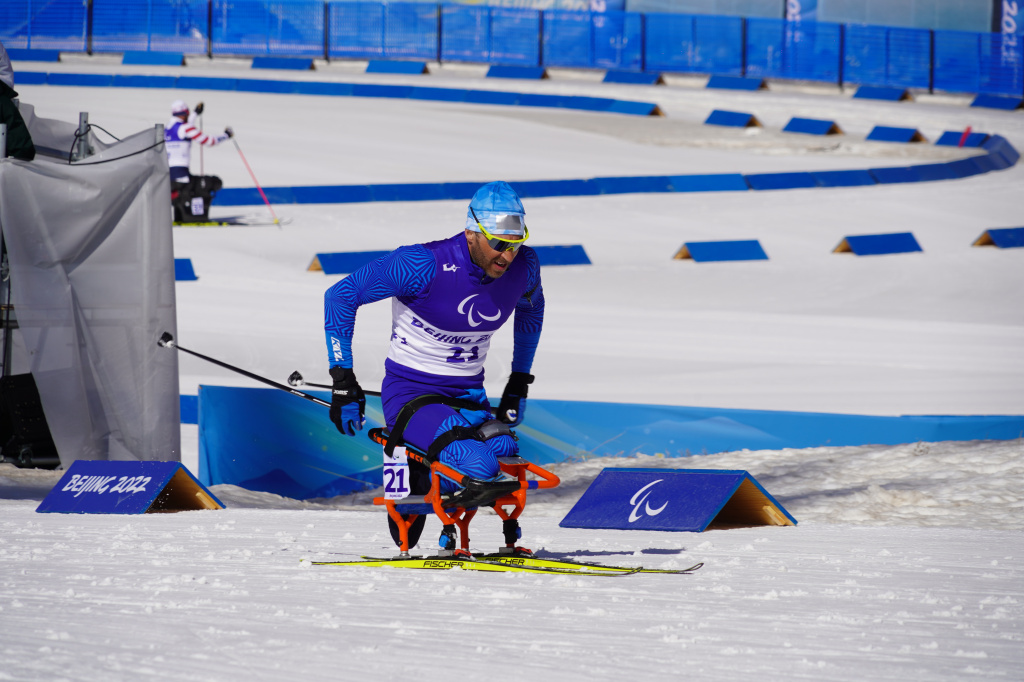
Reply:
x=516, y=467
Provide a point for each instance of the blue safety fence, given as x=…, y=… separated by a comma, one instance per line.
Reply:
x=756, y=48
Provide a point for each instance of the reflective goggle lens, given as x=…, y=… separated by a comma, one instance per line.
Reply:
x=504, y=223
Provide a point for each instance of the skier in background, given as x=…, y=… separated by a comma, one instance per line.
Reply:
x=449, y=297
x=190, y=195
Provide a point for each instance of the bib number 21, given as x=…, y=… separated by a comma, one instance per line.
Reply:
x=396, y=475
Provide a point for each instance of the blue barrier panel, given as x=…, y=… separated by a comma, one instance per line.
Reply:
x=528, y=99
x=887, y=57
x=989, y=162
x=492, y=97
x=634, y=185
x=514, y=36
x=29, y=78
x=183, y=271
x=569, y=254
x=1004, y=102
x=383, y=91
x=283, y=63
x=343, y=263
x=957, y=68
x=964, y=168
x=586, y=103
x=355, y=29
x=895, y=174
x=388, y=66
x=568, y=39
x=892, y=134
x=692, y=500
x=633, y=78
x=262, y=85
x=997, y=144
x=843, y=178
x=618, y=40
x=534, y=189
x=410, y=30
x=812, y=126
x=732, y=119
x=725, y=182
x=693, y=43
x=338, y=194
x=410, y=192
x=459, y=190
x=325, y=89
x=465, y=33
x=797, y=50
x=136, y=57
x=257, y=28
x=878, y=244
x=710, y=252
x=291, y=447
x=82, y=80
x=176, y=26
x=206, y=83
x=22, y=55
x=108, y=487
x=129, y=81
x=634, y=108
x=188, y=407
x=522, y=72
x=735, y=83
x=1002, y=238
x=1001, y=64
x=51, y=25
x=766, y=181
x=882, y=93
x=931, y=172
x=438, y=94
x=952, y=138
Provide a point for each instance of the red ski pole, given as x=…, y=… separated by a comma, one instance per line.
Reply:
x=253, y=176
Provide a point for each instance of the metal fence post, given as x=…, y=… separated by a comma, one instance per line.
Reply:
x=209, y=29
x=88, y=27
x=931, y=62
x=3, y=140
x=327, y=31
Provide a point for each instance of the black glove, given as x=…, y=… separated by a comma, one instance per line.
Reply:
x=512, y=407
x=199, y=108
x=229, y=132
x=348, y=402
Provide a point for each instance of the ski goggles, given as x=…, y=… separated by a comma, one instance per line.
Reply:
x=509, y=222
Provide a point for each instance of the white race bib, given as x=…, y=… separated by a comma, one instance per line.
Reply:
x=396, y=475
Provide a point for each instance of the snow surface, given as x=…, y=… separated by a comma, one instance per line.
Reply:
x=906, y=564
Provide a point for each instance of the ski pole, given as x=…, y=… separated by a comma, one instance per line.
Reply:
x=295, y=379
x=167, y=341
x=253, y=176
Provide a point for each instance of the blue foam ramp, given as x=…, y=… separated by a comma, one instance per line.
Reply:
x=998, y=102
x=343, y=263
x=521, y=72
x=33, y=55
x=707, y=252
x=1002, y=237
x=951, y=138
x=569, y=254
x=878, y=244
x=884, y=94
x=812, y=126
x=843, y=178
x=389, y=66
x=735, y=83
x=183, y=271
x=286, y=63
x=690, y=500
x=766, y=181
x=892, y=134
x=127, y=487
x=189, y=409
x=633, y=77
x=732, y=119
x=145, y=58
x=620, y=106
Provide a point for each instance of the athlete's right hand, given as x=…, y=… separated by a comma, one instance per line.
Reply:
x=348, y=402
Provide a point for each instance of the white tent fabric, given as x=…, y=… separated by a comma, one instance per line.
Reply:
x=92, y=287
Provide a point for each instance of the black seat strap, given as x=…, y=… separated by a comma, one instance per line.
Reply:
x=411, y=407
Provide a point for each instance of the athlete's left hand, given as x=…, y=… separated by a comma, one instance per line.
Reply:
x=512, y=407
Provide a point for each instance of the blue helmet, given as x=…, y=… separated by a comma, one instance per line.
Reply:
x=497, y=207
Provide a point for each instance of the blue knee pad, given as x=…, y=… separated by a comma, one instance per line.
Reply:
x=478, y=459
